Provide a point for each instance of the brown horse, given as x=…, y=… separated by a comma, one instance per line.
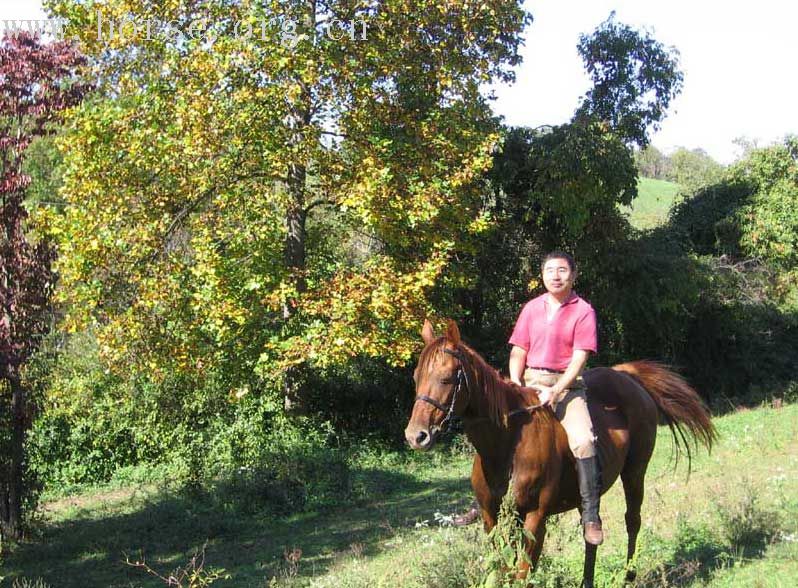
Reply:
x=513, y=435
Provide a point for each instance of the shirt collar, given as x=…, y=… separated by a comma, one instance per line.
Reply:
x=573, y=297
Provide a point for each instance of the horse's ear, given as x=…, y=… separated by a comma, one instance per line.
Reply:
x=426, y=332
x=452, y=332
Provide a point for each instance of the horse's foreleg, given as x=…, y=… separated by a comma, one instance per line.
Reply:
x=534, y=525
x=633, y=489
x=486, y=497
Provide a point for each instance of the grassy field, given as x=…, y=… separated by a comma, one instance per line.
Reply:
x=654, y=200
x=734, y=522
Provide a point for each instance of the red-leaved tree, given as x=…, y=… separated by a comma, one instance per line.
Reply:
x=37, y=81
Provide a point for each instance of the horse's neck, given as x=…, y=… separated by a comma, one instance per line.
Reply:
x=489, y=440
x=488, y=382
x=486, y=435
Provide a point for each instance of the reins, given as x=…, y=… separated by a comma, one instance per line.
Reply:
x=525, y=410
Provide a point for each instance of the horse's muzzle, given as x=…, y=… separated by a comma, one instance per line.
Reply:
x=419, y=438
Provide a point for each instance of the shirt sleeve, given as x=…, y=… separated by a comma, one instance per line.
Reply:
x=520, y=336
x=586, y=333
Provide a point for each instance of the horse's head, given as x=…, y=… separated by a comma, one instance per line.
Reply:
x=441, y=386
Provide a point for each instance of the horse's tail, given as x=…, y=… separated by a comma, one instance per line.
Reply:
x=679, y=405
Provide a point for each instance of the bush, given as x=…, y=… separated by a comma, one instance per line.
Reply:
x=365, y=399
x=231, y=441
x=733, y=320
x=751, y=211
x=740, y=345
x=295, y=470
x=456, y=564
x=506, y=548
x=707, y=221
x=745, y=524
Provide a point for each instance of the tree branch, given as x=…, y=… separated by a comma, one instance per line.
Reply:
x=319, y=202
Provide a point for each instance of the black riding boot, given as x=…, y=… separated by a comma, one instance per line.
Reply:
x=589, y=473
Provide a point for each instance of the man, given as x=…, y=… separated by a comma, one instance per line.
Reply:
x=552, y=339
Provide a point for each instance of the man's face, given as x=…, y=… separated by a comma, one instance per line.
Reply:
x=558, y=277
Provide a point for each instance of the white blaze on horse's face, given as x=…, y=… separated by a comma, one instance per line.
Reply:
x=435, y=386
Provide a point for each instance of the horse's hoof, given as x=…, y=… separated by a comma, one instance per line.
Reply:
x=631, y=575
x=466, y=518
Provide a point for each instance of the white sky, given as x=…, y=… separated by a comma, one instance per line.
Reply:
x=738, y=58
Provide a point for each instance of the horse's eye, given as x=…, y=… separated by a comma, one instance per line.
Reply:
x=446, y=381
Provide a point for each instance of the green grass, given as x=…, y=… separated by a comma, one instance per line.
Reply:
x=654, y=199
x=392, y=538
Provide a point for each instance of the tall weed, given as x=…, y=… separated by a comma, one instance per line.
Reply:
x=746, y=525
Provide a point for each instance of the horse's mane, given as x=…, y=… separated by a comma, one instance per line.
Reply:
x=497, y=392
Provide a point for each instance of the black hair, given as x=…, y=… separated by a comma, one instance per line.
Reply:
x=559, y=255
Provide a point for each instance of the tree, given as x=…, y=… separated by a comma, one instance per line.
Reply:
x=692, y=169
x=42, y=163
x=635, y=77
x=558, y=187
x=768, y=222
x=652, y=163
x=37, y=82
x=550, y=188
x=205, y=181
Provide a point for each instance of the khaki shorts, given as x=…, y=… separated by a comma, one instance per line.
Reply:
x=571, y=411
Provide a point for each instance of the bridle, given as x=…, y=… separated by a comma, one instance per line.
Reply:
x=461, y=378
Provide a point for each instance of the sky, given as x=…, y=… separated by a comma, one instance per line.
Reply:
x=738, y=59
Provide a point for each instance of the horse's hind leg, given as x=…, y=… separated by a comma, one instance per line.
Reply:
x=590, y=565
x=633, y=481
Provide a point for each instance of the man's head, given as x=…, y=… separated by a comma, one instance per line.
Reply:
x=559, y=272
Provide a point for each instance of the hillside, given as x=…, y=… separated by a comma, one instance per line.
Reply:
x=654, y=200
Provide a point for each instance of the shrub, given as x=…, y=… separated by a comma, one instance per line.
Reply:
x=739, y=345
x=193, y=574
x=707, y=220
x=295, y=470
x=225, y=437
x=456, y=566
x=745, y=524
x=505, y=549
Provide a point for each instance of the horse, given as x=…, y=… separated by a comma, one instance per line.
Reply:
x=513, y=434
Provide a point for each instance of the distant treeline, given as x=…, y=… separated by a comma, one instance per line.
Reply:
x=690, y=168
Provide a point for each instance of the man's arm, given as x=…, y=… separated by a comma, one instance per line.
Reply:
x=517, y=364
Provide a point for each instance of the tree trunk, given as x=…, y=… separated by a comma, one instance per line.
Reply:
x=294, y=255
x=15, y=478
x=295, y=248
x=295, y=262
x=3, y=504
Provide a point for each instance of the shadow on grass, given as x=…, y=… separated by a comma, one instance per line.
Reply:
x=697, y=557
x=167, y=528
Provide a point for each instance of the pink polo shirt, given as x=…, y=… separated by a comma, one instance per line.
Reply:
x=550, y=344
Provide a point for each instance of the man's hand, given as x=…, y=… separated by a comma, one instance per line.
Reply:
x=547, y=394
